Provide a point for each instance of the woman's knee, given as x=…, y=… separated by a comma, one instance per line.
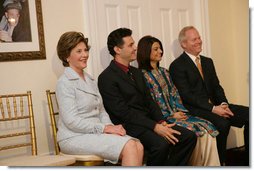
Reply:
x=132, y=145
x=140, y=147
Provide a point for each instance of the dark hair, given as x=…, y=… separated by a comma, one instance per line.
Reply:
x=67, y=42
x=144, y=51
x=115, y=38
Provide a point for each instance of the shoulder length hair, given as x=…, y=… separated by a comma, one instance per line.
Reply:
x=67, y=42
x=144, y=52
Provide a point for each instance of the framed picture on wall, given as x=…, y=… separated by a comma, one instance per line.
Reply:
x=21, y=30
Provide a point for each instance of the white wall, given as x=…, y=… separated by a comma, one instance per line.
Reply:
x=163, y=19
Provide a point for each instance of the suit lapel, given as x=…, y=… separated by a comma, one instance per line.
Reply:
x=192, y=65
x=138, y=79
x=196, y=71
x=204, y=66
x=121, y=74
x=85, y=86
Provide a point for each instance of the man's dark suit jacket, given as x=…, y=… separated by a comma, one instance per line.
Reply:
x=194, y=91
x=128, y=102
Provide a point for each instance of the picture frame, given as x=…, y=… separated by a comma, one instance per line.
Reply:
x=31, y=50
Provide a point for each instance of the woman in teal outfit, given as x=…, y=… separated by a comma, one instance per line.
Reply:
x=164, y=92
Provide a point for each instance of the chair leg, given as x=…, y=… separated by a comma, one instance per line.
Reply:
x=89, y=163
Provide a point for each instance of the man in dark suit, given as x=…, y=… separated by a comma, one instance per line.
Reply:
x=128, y=102
x=196, y=79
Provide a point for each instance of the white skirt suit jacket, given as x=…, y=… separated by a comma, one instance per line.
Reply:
x=82, y=119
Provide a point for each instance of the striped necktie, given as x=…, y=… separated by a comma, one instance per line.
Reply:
x=197, y=60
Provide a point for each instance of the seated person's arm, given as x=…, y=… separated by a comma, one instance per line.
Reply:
x=116, y=105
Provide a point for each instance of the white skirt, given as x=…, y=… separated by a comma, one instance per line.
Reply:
x=107, y=146
x=205, y=152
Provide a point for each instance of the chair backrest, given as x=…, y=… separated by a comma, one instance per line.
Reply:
x=53, y=105
x=17, y=123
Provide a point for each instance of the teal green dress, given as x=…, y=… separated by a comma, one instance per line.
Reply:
x=167, y=97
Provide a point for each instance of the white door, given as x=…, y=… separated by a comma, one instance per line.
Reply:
x=161, y=18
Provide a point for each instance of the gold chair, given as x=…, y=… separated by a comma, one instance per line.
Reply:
x=84, y=160
x=18, y=137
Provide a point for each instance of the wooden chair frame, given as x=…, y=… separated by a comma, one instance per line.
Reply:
x=9, y=117
x=13, y=110
x=84, y=160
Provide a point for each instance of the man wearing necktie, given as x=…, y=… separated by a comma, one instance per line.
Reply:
x=202, y=93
